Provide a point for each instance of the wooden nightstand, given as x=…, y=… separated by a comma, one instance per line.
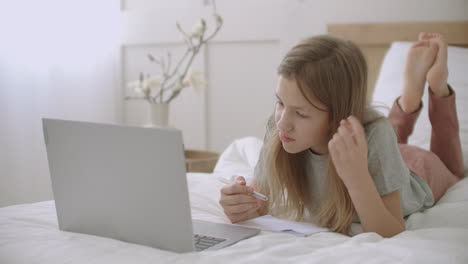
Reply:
x=200, y=161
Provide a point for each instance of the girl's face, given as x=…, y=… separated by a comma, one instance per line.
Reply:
x=300, y=125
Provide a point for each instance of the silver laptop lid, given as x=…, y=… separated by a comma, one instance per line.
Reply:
x=127, y=183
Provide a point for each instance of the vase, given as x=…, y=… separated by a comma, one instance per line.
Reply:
x=159, y=115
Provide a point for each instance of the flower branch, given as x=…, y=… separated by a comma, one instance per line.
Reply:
x=164, y=87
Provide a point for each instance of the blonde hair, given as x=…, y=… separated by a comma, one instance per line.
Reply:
x=333, y=71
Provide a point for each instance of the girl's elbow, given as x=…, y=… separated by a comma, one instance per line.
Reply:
x=387, y=231
x=394, y=232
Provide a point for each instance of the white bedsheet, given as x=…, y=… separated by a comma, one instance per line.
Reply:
x=29, y=232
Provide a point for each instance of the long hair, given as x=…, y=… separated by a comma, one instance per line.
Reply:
x=334, y=72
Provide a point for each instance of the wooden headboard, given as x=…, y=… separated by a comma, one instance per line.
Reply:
x=375, y=38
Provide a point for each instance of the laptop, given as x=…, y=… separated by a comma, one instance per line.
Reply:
x=128, y=183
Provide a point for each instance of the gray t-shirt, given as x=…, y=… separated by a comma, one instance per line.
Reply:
x=386, y=166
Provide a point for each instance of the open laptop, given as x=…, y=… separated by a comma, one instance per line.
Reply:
x=128, y=183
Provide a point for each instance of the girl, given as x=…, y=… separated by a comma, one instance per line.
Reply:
x=331, y=159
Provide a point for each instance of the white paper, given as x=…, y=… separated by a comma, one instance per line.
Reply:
x=273, y=224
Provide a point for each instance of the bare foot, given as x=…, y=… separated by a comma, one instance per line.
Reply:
x=420, y=58
x=438, y=73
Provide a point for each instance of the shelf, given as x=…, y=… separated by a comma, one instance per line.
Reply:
x=200, y=161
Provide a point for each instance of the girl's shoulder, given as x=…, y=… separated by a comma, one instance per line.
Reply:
x=377, y=125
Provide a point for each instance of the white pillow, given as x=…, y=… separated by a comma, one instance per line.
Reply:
x=390, y=83
x=239, y=158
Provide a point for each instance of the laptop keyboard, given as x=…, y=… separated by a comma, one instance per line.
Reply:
x=204, y=242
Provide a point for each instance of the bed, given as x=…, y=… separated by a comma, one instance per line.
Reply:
x=29, y=232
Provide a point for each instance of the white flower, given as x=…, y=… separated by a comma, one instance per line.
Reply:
x=198, y=29
x=196, y=80
x=145, y=84
x=135, y=87
x=177, y=87
x=152, y=81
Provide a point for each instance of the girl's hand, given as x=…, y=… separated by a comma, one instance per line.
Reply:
x=348, y=150
x=237, y=202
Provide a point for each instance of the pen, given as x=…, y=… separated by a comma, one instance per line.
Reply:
x=254, y=193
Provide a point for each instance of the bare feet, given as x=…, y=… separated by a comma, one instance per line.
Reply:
x=438, y=73
x=421, y=57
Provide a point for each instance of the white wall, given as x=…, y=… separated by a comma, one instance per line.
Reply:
x=310, y=17
x=3, y=132
x=58, y=59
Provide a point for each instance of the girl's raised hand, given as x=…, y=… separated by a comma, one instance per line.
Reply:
x=237, y=202
x=348, y=150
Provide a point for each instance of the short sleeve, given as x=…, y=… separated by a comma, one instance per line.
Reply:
x=386, y=164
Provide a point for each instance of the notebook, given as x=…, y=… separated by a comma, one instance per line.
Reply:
x=273, y=224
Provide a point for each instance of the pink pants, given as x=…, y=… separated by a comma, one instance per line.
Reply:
x=442, y=166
